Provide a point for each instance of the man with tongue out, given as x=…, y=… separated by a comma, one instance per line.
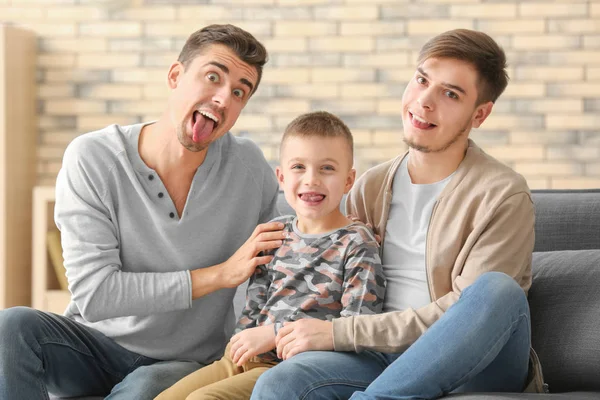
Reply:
x=203, y=126
x=158, y=229
x=457, y=230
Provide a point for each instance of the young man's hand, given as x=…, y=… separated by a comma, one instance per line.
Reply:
x=304, y=335
x=368, y=224
x=251, y=342
x=241, y=265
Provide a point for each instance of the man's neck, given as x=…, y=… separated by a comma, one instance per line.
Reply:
x=160, y=149
x=427, y=168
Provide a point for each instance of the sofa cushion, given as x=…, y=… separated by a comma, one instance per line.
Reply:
x=565, y=318
x=567, y=219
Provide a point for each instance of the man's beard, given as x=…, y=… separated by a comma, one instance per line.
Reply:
x=189, y=145
x=428, y=149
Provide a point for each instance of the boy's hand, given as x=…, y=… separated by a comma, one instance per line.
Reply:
x=243, y=262
x=251, y=342
x=304, y=335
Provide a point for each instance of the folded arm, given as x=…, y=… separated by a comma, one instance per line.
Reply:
x=505, y=244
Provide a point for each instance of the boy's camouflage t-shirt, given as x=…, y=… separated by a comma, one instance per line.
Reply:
x=325, y=276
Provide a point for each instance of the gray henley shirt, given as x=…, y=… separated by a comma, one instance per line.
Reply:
x=128, y=254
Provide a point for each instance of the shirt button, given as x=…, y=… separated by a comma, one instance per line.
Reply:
x=172, y=215
x=150, y=176
x=160, y=195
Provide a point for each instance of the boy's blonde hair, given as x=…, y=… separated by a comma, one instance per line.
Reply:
x=318, y=124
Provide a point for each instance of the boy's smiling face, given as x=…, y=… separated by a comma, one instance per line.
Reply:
x=315, y=173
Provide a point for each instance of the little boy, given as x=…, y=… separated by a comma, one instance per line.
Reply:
x=328, y=267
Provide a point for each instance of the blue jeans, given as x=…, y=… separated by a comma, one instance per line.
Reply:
x=41, y=352
x=481, y=344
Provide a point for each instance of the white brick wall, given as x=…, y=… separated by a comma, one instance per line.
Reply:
x=104, y=61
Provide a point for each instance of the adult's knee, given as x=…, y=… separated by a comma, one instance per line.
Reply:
x=18, y=332
x=319, y=375
x=500, y=289
x=265, y=386
x=16, y=321
x=148, y=381
x=276, y=383
x=500, y=283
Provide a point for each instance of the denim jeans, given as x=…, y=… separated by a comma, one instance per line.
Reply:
x=41, y=352
x=481, y=344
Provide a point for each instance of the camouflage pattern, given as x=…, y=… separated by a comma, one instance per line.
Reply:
x=336, y=274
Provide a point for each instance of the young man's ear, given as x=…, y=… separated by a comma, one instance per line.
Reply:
x=350, y=180
x=174, y=75
x=481, y=113
x=279, y=174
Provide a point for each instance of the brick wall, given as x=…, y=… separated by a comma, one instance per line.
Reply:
x=104, y=61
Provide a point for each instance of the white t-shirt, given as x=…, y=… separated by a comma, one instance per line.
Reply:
x=405, y=236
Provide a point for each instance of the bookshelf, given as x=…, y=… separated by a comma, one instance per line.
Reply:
x=18, y=144
x=46, y=293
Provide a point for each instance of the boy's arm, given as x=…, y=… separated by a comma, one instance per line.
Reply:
x=364, y=281
x=249, y=339
x=256, y=298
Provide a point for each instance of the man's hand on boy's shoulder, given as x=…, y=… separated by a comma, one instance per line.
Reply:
x=304, y=335
x=251, y=342
x=368, y=224
x=241, y=265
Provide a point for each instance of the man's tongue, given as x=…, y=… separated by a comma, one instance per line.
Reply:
x=312, y=197
x=202, y=128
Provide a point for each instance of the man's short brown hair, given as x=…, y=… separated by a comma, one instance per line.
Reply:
x=318, y=124
x=478, y=49
x=242, y=43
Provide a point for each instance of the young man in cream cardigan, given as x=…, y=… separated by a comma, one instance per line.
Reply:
x=457, y=231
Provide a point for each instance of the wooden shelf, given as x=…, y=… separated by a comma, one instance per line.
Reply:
x=46, y=293
x=18, y=144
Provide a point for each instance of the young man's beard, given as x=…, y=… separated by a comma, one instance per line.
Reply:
x=428, y=149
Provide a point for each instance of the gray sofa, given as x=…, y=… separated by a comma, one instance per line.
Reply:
x=564, y=297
